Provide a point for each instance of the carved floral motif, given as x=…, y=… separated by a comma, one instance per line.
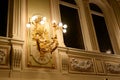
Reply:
x=2, y=55
x=81, y=65
x=113, y=67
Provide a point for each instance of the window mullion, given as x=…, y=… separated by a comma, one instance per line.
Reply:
x=97, y=13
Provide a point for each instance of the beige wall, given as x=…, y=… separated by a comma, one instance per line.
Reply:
x=39, y=7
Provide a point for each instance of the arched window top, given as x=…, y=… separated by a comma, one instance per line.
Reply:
x=94, y=7
x=69, y=1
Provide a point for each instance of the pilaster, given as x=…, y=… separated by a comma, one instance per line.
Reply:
x=17, y=30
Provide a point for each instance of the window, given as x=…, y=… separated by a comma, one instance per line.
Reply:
x=70, y=16
x=101, y=29
x=3, y=17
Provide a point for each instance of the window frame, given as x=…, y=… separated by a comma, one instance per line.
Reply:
x=101, y=15
x=109, y=27
x=78, y=10
x=92, y=12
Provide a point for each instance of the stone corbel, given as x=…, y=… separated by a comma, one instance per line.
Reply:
x=16, y=58
x=16, y=54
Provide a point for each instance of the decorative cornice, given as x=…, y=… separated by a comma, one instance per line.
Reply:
x=88, y=53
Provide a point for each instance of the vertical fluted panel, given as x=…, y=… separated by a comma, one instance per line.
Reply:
x=16, y=59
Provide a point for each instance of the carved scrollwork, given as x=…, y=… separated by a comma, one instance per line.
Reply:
x=2, y=55
x=81, y=65
x=113, y=67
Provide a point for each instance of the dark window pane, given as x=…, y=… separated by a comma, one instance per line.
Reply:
x=3, y=17
x=70, y=1
x=94, y=7
x=102, y=33
x=73, y=38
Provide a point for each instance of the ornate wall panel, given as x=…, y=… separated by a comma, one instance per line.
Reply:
x=41, y=44
x=4, y=56
x=34, y=58
x=78, y=64
x=112, y=67
x=34, y=61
